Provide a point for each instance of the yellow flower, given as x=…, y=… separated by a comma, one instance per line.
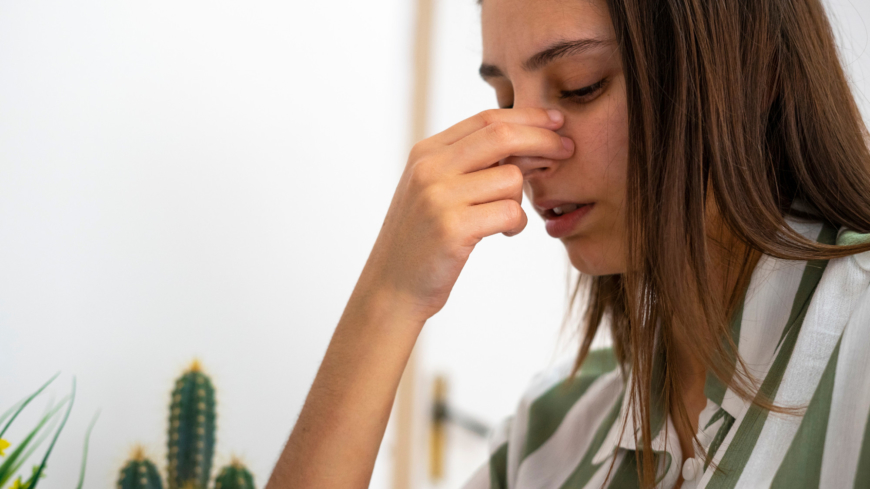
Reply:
x=17, y=484
x=3, y=446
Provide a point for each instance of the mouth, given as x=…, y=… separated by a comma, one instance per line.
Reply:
x=564, y=219
x=562, y=210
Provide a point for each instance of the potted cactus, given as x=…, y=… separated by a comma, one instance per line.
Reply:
x=190, y=443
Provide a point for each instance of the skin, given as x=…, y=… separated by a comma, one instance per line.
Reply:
x=458, y=187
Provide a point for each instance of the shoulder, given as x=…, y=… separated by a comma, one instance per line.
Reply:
x=825, y=232
x=554, y=386
x=554, y=406
x=553, y=392
x=848, y=237
x=555, y=412
x=848, y=283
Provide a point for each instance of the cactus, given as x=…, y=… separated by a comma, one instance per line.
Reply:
x=191, y=430
x=139, y=473
x=234, y=476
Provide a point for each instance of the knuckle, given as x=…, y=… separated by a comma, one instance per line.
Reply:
x=418, y=150
x=422, y=150
x=500, y=132
x=449, y=227
x=489, y=116
x=513, y=213
x=432, y=197
x=423, y=173
x=514, y=175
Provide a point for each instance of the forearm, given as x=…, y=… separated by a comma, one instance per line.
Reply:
x=336, y=438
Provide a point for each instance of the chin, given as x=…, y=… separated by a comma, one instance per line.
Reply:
x=590, y=260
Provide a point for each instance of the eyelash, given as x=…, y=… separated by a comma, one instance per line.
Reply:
x=582, y=95
x=579, y=96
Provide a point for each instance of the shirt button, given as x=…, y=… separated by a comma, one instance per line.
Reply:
x=691, y=469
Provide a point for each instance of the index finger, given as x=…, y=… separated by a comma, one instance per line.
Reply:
x=530, y=116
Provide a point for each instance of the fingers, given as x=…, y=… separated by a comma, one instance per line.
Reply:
x=549, y=119
x=501, y=216
x=500, y=140
x=461, y=166
x=491, y=184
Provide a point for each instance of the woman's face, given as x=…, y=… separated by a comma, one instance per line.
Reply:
x=562, y=54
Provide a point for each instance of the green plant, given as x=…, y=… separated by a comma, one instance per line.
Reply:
x=234, y=476
x=139, y=473
x=191, y=440
x=191, y=430
x=44, y=428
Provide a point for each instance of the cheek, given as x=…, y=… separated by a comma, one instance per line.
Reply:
x=600, y=135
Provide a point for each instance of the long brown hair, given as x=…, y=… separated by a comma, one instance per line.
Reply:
x=747, y=98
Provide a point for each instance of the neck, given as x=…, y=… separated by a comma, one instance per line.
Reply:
x=727, y=255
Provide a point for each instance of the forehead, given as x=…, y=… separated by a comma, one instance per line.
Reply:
x=515, y=29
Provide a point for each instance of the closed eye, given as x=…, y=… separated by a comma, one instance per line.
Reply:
x=579, y=96
x=583, y=95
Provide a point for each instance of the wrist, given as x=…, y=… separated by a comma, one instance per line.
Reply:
x=385, y=309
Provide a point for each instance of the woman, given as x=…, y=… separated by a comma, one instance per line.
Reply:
x=706, y=168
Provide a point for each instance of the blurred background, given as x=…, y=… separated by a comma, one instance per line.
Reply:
x=205, y=180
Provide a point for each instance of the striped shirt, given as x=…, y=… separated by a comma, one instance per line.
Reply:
x=802, y=326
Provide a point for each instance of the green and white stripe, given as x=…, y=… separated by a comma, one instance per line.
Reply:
x=804, y=330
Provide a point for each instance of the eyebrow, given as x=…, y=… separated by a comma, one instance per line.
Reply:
x=548, y=55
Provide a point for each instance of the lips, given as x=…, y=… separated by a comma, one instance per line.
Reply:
x=552, y=209
x=564, y=209
x=561, y=217
x=560, y=226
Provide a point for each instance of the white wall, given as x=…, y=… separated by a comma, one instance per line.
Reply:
x=183, y=179
x=851, y=21
x=206, y=179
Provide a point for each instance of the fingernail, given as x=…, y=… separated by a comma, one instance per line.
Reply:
x=555, y=115
x=567, y=143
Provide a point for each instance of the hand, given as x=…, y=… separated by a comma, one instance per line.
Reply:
x=453, y=193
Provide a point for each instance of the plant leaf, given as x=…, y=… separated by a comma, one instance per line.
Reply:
x=45, y=433
x=85, y=451
x=10, y=410
x=24, y=404
x=14, y=460
x=56, y=434
x=29, y=482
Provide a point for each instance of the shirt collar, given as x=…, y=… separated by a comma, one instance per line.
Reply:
x=754, y=321
x=666, y=454
x=660, y=422
x=777, y=291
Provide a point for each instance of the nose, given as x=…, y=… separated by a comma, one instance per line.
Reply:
x=530, y=95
